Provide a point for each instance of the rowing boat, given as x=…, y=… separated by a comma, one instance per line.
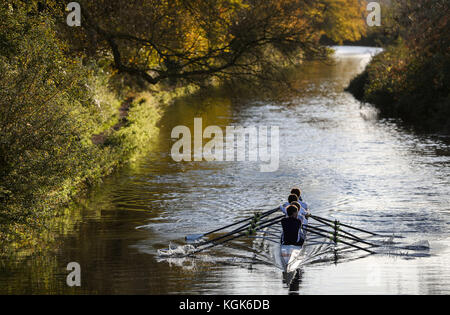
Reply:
x=288, y=257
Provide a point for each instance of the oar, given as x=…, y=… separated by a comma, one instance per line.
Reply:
x=344, y=225
x=255, y=218
x=343, y=242
x=344, y=236
x=334, y=226
x=194, y=237
x=243, y=228
x=273, y=221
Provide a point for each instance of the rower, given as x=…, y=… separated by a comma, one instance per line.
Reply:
x=302, y=213
x=291, y=199
x=292, y=228
x=298, y=193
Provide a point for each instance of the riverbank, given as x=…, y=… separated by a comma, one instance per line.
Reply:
x=67, y=120
x=413, y=90
x=409, y=80
x=124, y=131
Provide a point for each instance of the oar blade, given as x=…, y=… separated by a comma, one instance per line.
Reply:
x=194, y=237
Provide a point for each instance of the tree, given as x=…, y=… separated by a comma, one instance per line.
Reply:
x=424, y=25
x=43, y=113
x=344, y=19
x=197, y=39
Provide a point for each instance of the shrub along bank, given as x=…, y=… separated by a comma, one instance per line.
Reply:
x=410, y=79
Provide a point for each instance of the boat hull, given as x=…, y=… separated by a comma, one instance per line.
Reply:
x=288, y=257
x=291, y=257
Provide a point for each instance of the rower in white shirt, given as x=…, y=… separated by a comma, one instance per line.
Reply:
x=298, y=193
x=284, y=206
x=302, y=212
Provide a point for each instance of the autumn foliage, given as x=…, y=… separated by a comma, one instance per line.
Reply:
x=410, y=79
x=195, y=40
x=61, y=85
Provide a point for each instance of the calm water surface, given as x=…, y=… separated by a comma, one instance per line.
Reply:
x=351, y=166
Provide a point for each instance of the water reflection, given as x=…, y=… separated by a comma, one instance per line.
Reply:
x=367, y=172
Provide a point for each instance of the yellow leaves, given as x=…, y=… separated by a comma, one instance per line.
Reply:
x=344, y=20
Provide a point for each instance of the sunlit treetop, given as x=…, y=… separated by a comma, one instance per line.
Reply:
x=197, y=39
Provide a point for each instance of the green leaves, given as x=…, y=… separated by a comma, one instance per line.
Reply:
x=46, y=114
x=410, y=78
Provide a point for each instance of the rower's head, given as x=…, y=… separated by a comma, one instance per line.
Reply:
x=292, y=211
x=292, y=198
x=296, y=191
x=297, y=204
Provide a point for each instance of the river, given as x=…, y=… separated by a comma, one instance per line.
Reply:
x=369, y=172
